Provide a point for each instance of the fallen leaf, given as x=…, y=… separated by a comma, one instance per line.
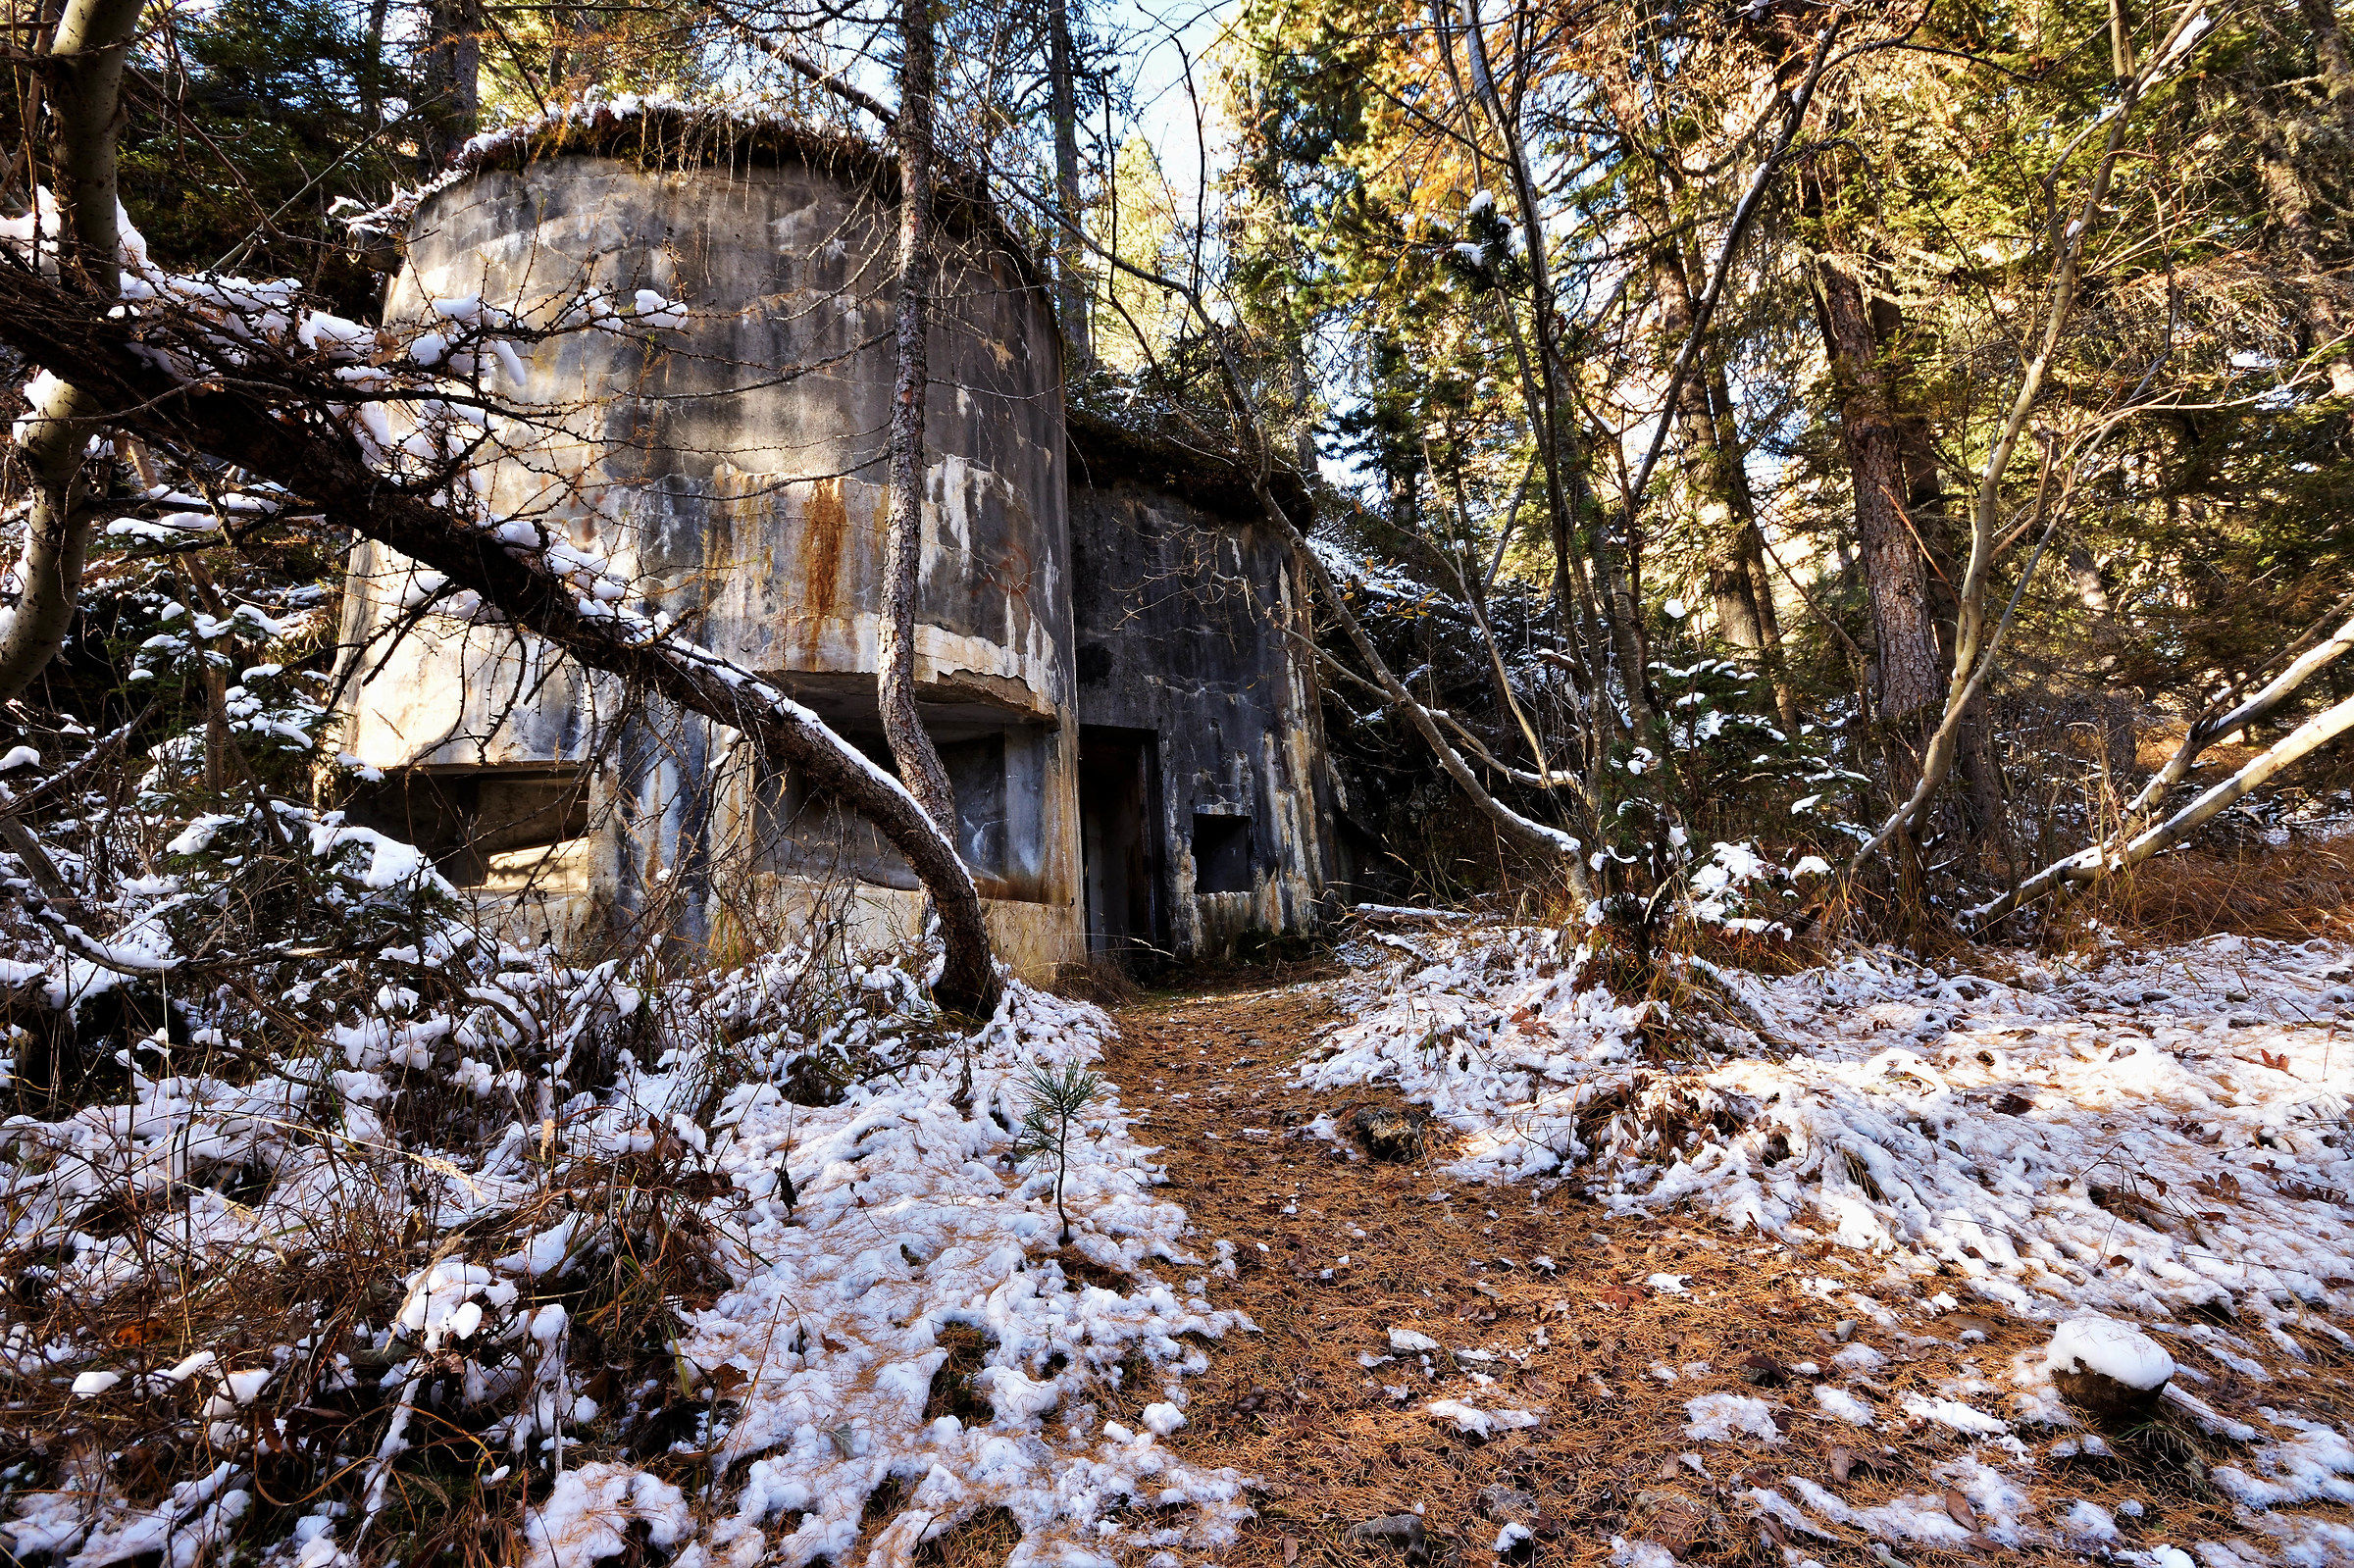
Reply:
x=1957, y=1506
x=1291, y=1549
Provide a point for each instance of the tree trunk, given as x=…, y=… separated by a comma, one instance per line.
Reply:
x=453, y=82
x=1070, y=284
x=2324, y=326
x=2290, y=197
x=1701, y=456
x=903, y=547
x=1752, y=547
x=87, y=54
x=1547, y=413
x=53, y=438
x=1708, y=467
x=1304, y=394
x=1944, y=541
x=1904, y=636
x=1616, y=561
x=1905, y=655
x=372, y=64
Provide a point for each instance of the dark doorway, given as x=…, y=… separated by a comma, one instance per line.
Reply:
x=1221, y=853
x=463, y=815
x=1119, y=834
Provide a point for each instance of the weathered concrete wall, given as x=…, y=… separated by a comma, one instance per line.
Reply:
x=735, y=470
x=1192, y=626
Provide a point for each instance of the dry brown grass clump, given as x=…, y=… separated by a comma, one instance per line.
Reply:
x=1100, y=980
x=2289, y=891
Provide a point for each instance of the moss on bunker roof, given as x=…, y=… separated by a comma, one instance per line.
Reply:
x=1108, y=449
x=675, y=134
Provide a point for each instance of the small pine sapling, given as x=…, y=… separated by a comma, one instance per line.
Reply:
x=1059, y=1098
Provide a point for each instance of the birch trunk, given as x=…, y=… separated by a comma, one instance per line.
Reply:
x=86, y=58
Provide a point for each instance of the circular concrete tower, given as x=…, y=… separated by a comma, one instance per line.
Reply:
x=734, y=469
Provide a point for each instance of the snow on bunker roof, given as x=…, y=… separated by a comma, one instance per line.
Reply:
x=662, y=132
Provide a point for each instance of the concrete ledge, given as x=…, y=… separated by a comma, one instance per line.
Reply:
x=1032, y=939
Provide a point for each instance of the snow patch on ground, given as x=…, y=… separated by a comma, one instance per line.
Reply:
x=1720, y=1417
x=1841, y=1406
x=2119, y=1148
x=2142, y=1137
x=910, y=1223
x=2118, y=1352
x=1479, y=1423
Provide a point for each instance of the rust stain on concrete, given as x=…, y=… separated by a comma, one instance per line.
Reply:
x=825, y=522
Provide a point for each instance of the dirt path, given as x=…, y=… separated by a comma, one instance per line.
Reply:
x=1336, y=1250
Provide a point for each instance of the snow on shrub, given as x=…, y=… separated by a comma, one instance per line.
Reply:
x=582, y=1237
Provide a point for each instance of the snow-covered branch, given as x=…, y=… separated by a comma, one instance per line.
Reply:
x=240, y=371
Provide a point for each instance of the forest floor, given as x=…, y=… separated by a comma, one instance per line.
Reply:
x=1547, y=1302
x=1643, y=1288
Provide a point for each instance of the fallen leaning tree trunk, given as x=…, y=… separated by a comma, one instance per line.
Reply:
x=2255, y=709
x=265, y=414
x=2121, y=854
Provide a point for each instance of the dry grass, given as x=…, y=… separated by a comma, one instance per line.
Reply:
x=2293, y=891
x=1293, y=1408
x=1100, y=980
x=2155, y=746
x=304, y=1437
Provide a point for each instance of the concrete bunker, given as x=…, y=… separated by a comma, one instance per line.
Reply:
x=1205, y=796
x=734, y=471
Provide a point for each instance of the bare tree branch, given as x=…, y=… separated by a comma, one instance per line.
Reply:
x=801, y=64
x=279, y=428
